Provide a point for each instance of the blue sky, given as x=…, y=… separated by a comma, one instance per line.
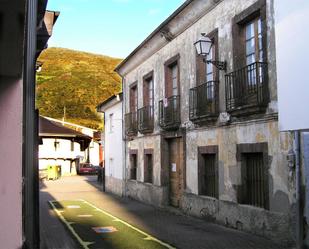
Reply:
x=109, y=27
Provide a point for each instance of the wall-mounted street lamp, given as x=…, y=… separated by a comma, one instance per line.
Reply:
x=203, y=47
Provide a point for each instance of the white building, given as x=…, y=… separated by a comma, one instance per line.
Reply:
x=113, y=144
x=63, y=146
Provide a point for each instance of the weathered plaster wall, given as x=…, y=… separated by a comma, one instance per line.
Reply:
x=275, y=223
x=147, y=193
x=260, y=131
x=140, y=144
x=114, y=185
x=11, y=163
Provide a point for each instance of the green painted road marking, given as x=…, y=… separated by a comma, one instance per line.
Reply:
x=115, y=233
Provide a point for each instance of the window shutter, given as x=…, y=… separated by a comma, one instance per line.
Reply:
x=200, y=70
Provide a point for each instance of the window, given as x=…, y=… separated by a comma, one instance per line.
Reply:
x=207, y=72
x=56, y=145
x=172, y=77
x=133, y=164
x=148, y=166
x=254, y=188
x=247, y=86
x=249, y=35
x=253, y=41
x=208, y=171
x=148, y=90
x=133, y=98
x=254, y=179
x=111, y=122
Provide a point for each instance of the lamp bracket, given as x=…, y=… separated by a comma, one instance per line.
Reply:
x=221, y=65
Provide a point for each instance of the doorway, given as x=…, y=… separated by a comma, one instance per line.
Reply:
x=176, y=170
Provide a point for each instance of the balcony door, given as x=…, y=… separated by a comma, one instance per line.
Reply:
x=148, y=91
x=172, y=79
x=133, y=98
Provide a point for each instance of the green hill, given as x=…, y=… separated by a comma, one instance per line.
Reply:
x=77, y=82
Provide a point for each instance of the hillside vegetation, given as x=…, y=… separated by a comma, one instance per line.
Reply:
x=75, y=82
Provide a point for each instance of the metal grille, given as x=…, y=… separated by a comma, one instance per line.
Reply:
x=148, y=168
x=247, y=86
x=169, y=112
x=209, y=184
x=203, y=100
x=133, y=167
x=255, y=180
x=145, y=119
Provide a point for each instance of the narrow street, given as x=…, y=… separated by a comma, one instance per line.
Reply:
x=163, y=228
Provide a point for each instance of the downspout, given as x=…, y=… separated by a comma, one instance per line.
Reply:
x=104, y=161
x=124, y=142
x=299, y=223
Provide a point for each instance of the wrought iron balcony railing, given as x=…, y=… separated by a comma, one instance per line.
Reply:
x=203, y=101
x=247, y=87
x=131, y=123
x=145, y=119
x=169, y=113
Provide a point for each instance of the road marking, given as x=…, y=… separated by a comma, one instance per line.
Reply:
x=84, y=215
x=148, y=236
x=73, y=207
x=84, y=244
x=105, y=229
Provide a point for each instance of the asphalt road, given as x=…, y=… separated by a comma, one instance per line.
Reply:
x=177, y=230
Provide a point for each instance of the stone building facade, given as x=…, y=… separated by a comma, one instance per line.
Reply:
x=206, y=140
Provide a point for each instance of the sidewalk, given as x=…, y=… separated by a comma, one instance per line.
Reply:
x=171, y=227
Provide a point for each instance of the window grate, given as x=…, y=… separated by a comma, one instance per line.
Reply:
x=254, y=180
x=209, y=182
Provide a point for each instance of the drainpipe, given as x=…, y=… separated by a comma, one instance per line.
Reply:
x=124, y=153
x=104, y=156
x=299, y=223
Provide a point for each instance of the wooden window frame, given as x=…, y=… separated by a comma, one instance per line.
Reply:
x=239, y=23
x=146, y=79
x=132, y=87
x=202, y=151
x=148, y=152
x=242, y=150
x=167, y=72
x=133, y=153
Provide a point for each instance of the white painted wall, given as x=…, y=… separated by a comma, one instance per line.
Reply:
x=94, y=152
x=292, y=35
x=113, y=142
x=10, y=163
x=47, y=150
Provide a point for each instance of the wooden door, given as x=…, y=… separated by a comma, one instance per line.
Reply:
x=175, y=171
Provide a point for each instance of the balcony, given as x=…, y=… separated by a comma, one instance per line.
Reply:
x=131, y=124
x=169, y=113
x=203, y=102
x=247, y=89
x=145, y=119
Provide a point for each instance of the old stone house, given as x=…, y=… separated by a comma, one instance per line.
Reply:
x=204, y=138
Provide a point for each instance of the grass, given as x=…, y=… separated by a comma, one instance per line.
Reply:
x=82, y=217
